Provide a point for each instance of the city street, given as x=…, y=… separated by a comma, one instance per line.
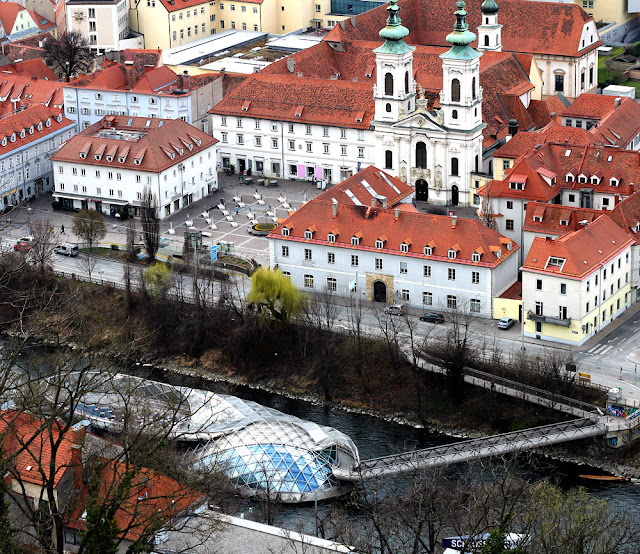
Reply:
x=602, y=356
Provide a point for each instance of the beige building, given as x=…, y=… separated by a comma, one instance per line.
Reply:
x=620, y=17
x=169, y=23
x=105, y=24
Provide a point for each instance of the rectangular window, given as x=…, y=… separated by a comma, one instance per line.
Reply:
x=308, y=147
x=325, y=148
x=474, y=305
x=405, y=295
x=331, y=258
x=343, y=150
x=539, y=308
x=427, y=299
x=451, y=274
x=452, y=302
x=285, y=251
x=332, y=284
x=274, y=143
x=562, y=312
x=307, y=254
x=360, y=152
x=475, y=277
x=354, y=260
x=509, y=204
x=308, y=129
x=292, y=145
x=360, y=135
x=325, y=131
x=563, y=288
x=510, y=225
x=308, y=281
x=426, y=270
x=538, y=284
x=403, y=267
x=378, y=264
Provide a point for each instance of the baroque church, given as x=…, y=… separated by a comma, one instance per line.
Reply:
x=428, y=114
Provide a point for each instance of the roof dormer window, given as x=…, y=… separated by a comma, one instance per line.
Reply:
x=498, y=254
x=13, y=137
x=582, y=179
x=555, y=263
x=355, y=241
x=40, y=126
x=614, y=182
x=569, y=178
x=308, y=235
x=285, y=231
x=4, y=141
x=452, y=254
x=121, y=159
x=595, y=180
x=537, y=218
x=109, y=158
x=83, y=155
x=475, y=257
x=23, y=133
x=428, y=250
x=404, y=248
x=564, y=222
x=48, y=123
x=98, y=157
x=636, y=229
x=331, y=237
x=31, y=130
x=379, y=244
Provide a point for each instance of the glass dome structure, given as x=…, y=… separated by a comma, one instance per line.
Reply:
x=264, y=451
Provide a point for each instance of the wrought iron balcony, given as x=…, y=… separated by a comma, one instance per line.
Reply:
x=563, y=322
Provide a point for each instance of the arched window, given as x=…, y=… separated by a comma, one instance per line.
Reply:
x=454, y=114
x=473, y=88
x=421, y=155
x=454, y=166
x=388, y=108
x=406, y=82
x=455, y=90
x=388, y=84
x=388, y=159
x=486, y=40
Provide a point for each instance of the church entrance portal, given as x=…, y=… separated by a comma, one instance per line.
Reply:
x=422, y=190
x=454, y=195
x=379, y=291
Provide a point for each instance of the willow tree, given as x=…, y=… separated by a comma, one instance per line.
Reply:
x=274, y=295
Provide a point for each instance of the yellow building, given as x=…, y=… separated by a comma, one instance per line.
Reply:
x=617, y=15
x=575, y=285
x=169, y=23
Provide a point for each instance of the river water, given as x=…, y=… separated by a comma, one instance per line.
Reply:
x=375, y=437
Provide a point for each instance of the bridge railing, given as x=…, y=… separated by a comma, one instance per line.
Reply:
x=521, y=387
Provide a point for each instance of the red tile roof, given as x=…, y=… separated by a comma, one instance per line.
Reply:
x=555, y=219
x=418, y=229
x=627, y=215
x=24, y=439
x=141, y=58
x=152, y=498
x=175, y=5
x=557, y=29
x=16, y=90
x=276, y=97
x=583, y=250
x=41, y=120
x=514, y=292
x=362, y=183
x=30, y=68
x=42, y=22
x=8, y=13
x=591, y=106
x=161, y=144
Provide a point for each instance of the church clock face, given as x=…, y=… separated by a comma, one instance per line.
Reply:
x=78, y=16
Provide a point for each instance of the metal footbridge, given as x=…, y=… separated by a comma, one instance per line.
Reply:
x=534, y=437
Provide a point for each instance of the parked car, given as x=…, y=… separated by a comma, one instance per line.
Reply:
x=396, y=309
x=66, y=249
x=506, y=323
x=433, y=317
x=22, y=246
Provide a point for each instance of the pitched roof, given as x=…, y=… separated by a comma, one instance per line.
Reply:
x=417, y=230
x=556, y=219
x=591, y=106
x=30, y=68
x=277, y=97
x=626, y=215
x=19, y=91
x=8, y=13
x=366, y=184
x=135, y=143
x=151, y=496
x=23, y=437
x=37, y=121
x=175, y=5
x=582, y=250
x=557, y=29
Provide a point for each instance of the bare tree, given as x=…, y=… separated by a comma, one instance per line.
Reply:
x=41, y=250
x=131, y=253
x=70, y=54
x=150, y=223
x=486, y=213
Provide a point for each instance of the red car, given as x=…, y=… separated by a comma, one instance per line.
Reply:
x=22, y=246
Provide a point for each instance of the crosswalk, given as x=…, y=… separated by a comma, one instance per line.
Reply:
x=600, y=349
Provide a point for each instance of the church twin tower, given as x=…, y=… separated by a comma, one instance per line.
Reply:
x=461, y=96
x=435, y=151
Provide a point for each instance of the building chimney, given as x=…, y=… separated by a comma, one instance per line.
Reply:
x=334, y=209
x=617, y=101
x=374, y=202
x=454, y=220
x=396, y=213
x=129, y=73
x=513, y=127
x=291, y=65
x=186, y=80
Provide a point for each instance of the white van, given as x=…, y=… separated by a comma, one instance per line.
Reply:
x=67, y=249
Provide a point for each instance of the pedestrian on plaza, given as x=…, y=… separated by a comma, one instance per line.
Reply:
x=237, y=210
x=62, y=229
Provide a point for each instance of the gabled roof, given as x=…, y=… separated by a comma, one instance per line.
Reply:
x=151, y=144
x=626, y=215
x=8, y=13
x=44, y=121
x=557, y=29
x=555, y=219
x=30, y=68
x=363, y=184
x=535, y=186
x=276, y=97
x=16, y=90
x=591, y=106
x=23, y=438
x=469, y=236
x=582, y=250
